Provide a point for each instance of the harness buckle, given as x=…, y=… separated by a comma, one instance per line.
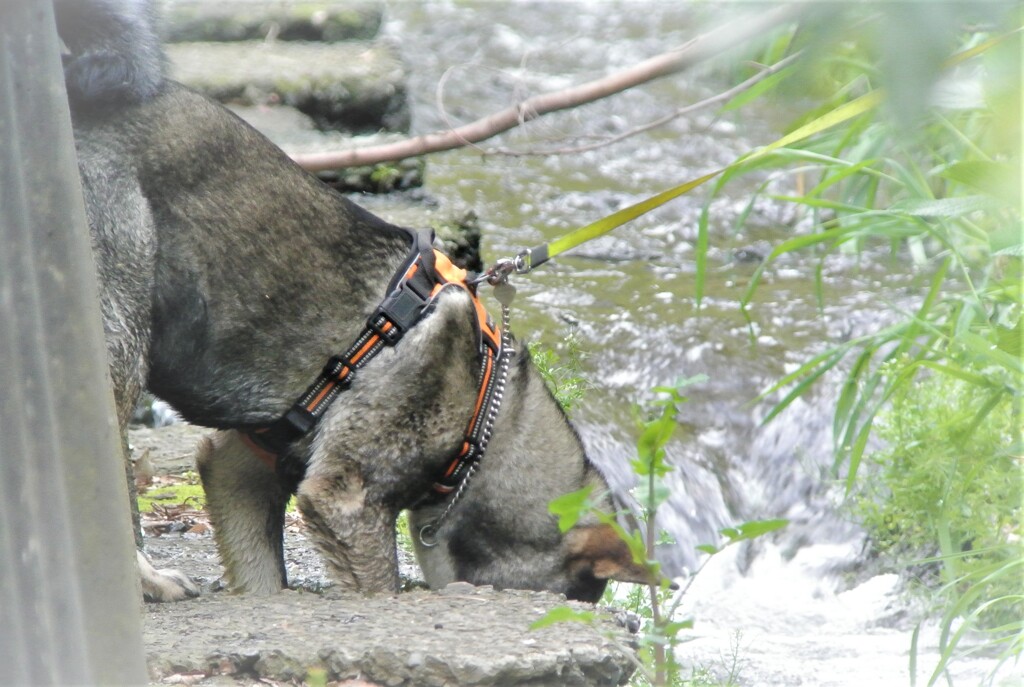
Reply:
x=402, y=308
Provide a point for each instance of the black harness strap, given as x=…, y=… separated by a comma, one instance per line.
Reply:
x=411, y=293
x=407, y=300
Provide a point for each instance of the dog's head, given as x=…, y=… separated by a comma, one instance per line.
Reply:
x=578, y=564
x=501, y=531
x=504, y=543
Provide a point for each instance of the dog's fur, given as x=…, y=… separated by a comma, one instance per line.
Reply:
x=229, y=277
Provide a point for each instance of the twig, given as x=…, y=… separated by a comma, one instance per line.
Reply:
x=654, y=124
x=699, y=49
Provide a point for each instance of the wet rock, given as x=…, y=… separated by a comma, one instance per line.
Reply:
x=296, y=133
x=476, y=637
x=748, y=254
x=457, y=229
x=237, y=20
x=379, y=178
x=460, y=238
x=353, y=86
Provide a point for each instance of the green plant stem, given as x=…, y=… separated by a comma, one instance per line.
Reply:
x=656, y=617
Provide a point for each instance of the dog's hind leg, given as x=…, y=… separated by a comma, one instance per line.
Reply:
x=246, y=501
x=353, y=531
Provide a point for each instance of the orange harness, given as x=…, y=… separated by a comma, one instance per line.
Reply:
x=411, y=295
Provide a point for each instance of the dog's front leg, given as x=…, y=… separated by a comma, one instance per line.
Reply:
x=353, y=531
x=246, y=501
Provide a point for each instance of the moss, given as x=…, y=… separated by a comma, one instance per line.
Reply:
x=175, y=494
x=172, y=494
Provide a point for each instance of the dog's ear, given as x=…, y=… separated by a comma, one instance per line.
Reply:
x=598, y=551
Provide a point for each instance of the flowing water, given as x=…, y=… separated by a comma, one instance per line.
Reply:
x=629, y=298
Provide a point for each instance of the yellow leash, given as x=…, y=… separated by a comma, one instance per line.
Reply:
x=530, y=258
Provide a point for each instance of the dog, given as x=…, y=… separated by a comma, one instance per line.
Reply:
x=230, y=276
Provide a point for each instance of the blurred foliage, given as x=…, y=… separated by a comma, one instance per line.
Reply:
x=562, y=370
x=943, y=486
x=172, y=494
x=908, y=142
x=933, y=177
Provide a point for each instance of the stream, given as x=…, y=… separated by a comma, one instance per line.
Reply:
x=797, y=608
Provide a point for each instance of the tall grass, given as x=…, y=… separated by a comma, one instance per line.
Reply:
x=910, y=142
x=935, y=180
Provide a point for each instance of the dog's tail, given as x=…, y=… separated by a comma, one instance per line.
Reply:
x=115, y=55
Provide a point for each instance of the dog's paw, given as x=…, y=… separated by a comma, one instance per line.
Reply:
x=164, y=585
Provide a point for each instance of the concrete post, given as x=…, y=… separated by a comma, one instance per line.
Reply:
x=69, y=598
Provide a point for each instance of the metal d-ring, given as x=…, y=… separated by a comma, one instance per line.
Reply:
x=428, y=531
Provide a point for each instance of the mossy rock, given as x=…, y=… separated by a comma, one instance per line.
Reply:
x=239, y=20
x=354, y=86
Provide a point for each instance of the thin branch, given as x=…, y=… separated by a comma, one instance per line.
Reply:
x=703, y=47
x=654, y=124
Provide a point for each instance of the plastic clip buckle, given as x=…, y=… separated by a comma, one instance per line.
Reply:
x=403, y=309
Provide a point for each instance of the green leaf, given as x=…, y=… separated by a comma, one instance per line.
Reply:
x=958, y=206
x=811, y=376
x=620, y=217
x=766, y=85
x=846, y=170
x=563, y=614
x=671, y=629
x=570, y=507
x=913, y=654
x=989, y=351
x=752, y=529
x=849, y=393
x=708, y=549
x=857, y=451
x=846, y=111
x=992, y=178
x=637, y=545
x=821, y=203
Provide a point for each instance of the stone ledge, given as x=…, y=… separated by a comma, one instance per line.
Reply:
x=352, y=86
x=236, y=20
x=464, y=635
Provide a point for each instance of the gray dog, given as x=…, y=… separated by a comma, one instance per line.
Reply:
x=231, y=282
